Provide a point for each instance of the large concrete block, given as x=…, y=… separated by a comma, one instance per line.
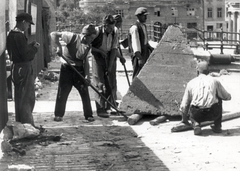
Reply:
x=159, y=87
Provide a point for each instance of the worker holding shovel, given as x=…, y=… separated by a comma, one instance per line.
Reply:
x=75, y=55
x=118, y=24
x=104, y=50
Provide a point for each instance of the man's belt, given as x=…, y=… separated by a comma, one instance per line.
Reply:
x=74, y=63
x=201, y=108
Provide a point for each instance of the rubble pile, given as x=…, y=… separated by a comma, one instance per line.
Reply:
x=44, y=77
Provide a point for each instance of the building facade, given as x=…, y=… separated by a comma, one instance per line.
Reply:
x=186, y=13
x=233, y=18
x=214, y=15
x=208, y=15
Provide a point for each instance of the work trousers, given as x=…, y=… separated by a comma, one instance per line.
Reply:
x=214, y=113
x=9, y=86
x=135, y=61
x=24, y=92
x=105, y=81
x=69, y=78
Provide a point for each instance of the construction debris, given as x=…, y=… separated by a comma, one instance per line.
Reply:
x=134, y=118
x=158, y=120
x=17, y=130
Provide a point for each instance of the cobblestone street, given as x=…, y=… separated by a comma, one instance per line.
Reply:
x=112, y=144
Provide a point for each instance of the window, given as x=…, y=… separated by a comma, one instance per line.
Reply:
x=157, y=12
x=120, y=12
x=219, y=25
x=209, y=28
x=191, y=25
x=191, y=11
x=174, y=11
x=209, y=13
x=219, y=12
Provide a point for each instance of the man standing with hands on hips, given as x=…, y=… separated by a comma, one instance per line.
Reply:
x=22, y=54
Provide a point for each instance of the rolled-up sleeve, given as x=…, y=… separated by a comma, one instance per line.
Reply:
x=67, y=36
x=135, y=39
x=221, y=92
x=186, y=100
x=115, y=39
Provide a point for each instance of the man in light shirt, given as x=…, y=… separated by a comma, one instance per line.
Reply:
x=138, y=41
x=76, y=51
x=202, y=100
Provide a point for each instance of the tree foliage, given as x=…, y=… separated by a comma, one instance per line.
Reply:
x=71, y=17
x=96, y=13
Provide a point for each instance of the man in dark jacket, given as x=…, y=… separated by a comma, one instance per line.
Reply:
x=22, y=54
x=138, y=41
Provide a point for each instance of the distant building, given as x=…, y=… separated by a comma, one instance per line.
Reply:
x=214, y=15
x=233, y=18
x=201, y=14
x=186, y=13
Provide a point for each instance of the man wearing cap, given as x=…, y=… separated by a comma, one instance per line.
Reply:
x=138, y=41
x=118, y=24
x=22, y=54
x=104, y=51
x=202, y=100
x=76, y=51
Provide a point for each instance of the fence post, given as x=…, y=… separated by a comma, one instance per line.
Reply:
x=204, y=39
x=206, y=46
x=237, y=51
x=221, y=48
x=221, y=41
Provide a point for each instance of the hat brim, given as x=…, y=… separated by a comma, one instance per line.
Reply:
x=32, y=23
x=109, y=23
x=146, y=13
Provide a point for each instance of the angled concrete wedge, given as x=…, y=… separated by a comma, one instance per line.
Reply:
x=159, y=87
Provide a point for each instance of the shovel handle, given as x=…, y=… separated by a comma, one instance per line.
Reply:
x=125, y=70
x=94, y=88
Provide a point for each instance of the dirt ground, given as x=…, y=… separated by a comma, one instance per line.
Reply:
x=111, y=144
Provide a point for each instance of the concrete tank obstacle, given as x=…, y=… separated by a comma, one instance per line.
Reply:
x=159, y=87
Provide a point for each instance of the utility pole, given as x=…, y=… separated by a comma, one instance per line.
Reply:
x=203, y=18
x=203, y=15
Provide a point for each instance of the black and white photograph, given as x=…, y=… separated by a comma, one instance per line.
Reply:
x=120, y=85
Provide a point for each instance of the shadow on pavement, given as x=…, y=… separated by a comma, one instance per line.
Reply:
x=100, y=145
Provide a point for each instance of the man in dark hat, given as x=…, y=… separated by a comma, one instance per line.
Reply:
x=24, y=17
x=104, y=51
x=77, y=51
x=118, y=20
x=22, y=54
x=138, y=41
x=202, y=100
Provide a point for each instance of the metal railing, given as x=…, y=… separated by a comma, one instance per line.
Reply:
x=221, y=40
x=211, y=39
